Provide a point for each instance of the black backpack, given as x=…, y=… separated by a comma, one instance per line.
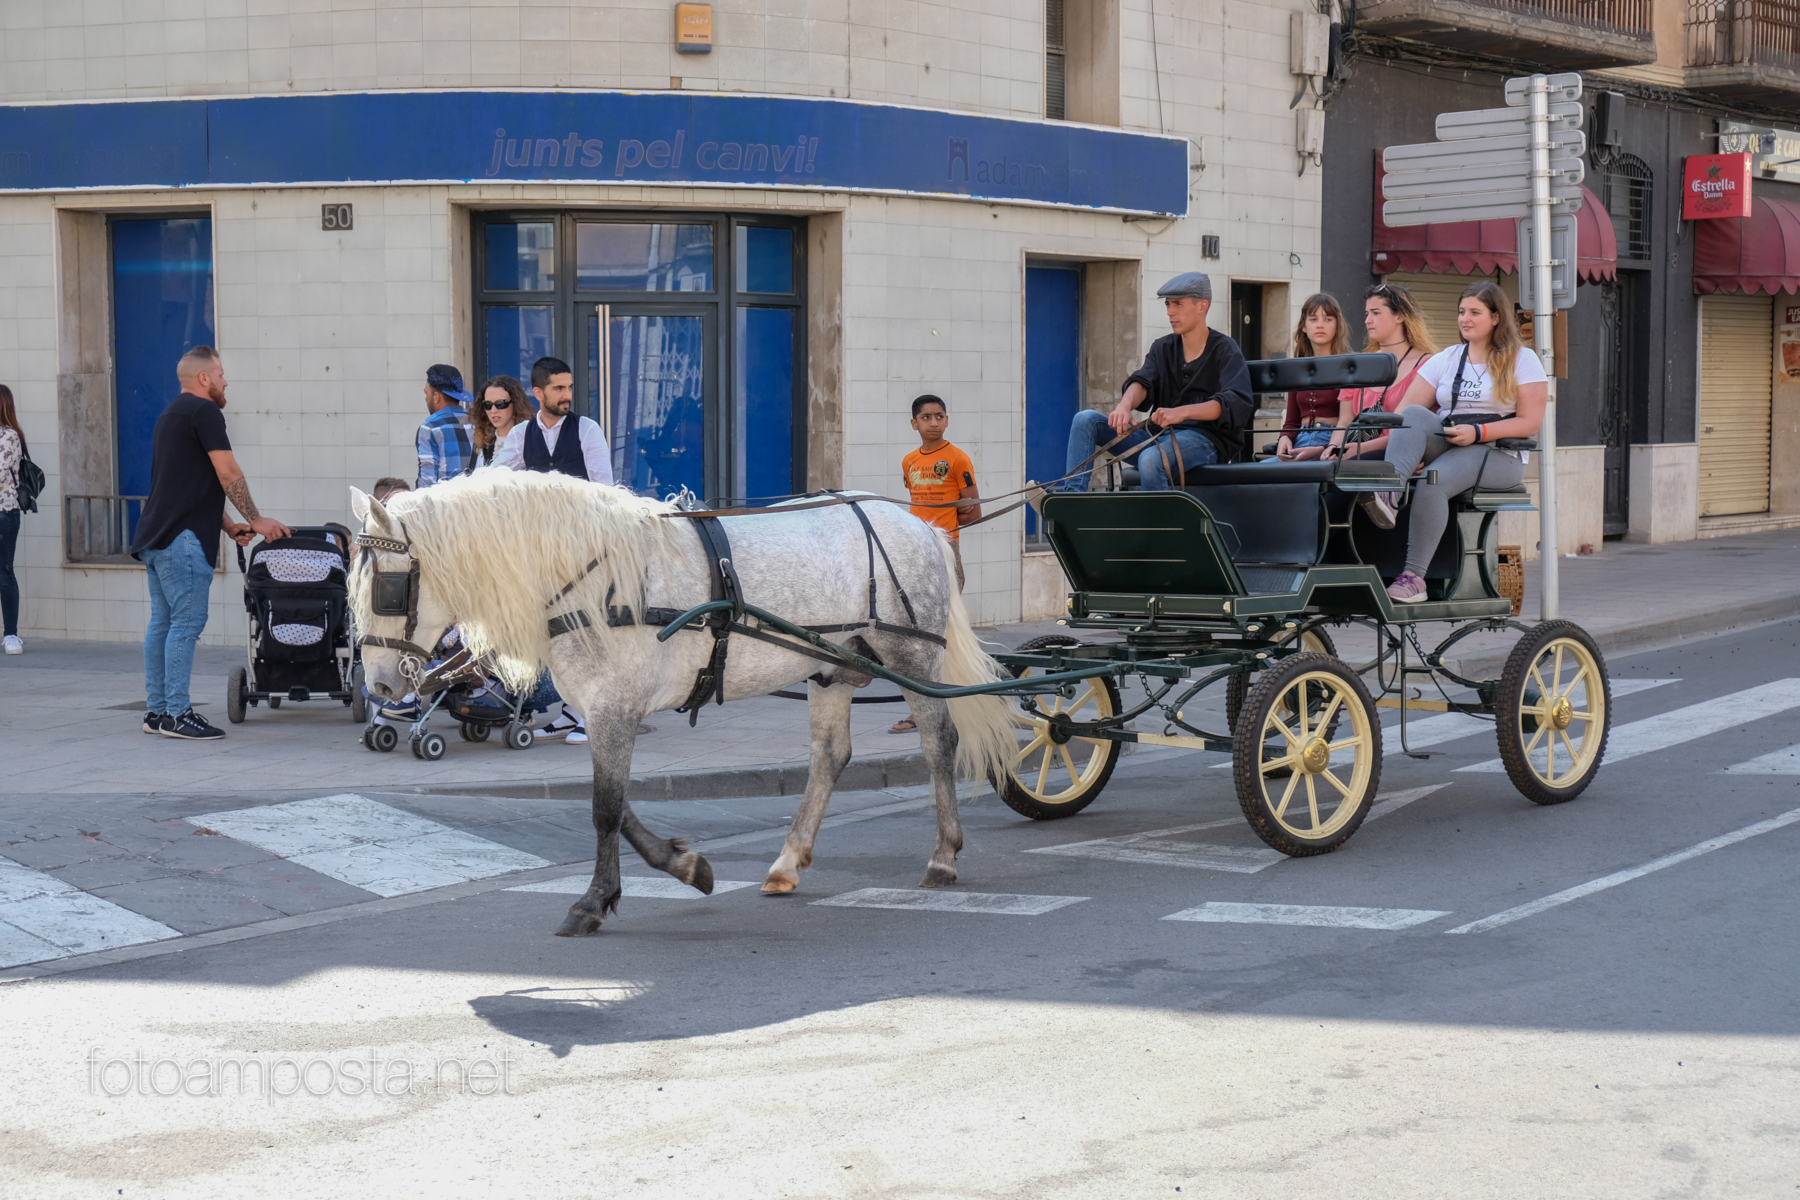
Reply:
x=28, y=481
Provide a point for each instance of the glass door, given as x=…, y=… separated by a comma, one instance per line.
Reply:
x=647, y=375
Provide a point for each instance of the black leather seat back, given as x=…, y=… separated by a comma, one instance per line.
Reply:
x=1266, y=522
x=1325, y=371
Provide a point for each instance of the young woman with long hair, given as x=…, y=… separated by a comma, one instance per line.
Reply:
x=501, y=404
x=13, y=451
x=1492, y=372
x=1395, y=326
x=1311, y=418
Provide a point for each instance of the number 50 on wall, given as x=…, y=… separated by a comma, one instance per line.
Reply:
x=335, y=216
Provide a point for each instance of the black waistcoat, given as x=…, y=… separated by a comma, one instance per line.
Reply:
x=568, y=457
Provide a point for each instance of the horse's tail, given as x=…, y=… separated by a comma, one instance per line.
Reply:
x=985, y=741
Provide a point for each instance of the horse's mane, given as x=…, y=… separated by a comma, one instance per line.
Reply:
x=496, y=546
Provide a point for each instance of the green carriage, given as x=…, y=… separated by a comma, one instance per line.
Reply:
x=1246, y=579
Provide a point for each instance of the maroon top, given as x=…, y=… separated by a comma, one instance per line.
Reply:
x=1313, y=408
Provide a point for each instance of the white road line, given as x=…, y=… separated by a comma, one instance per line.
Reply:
x=1775, y=762
x=997, y=903
x=647, y=887
x=1386, y=804
x=1626, y=876
x=43, y=917
x=780, y=831
x=1687, y=724
x=1307, y=914
x=1154, y=847
x=368, y=845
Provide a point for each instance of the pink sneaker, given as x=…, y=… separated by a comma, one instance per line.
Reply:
x=1408, y=589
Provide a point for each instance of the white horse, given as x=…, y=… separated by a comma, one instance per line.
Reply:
x=493, y=553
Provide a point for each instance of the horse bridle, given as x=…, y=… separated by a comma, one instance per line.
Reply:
x=396, y=594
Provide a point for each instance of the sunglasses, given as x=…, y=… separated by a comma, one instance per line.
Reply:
x=496, y=404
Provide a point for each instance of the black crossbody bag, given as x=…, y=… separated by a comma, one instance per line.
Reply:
x=28, y=480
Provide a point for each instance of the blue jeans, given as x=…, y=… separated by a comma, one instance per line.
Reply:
x=179, y=582
x=9, y=581
x=1089, y=431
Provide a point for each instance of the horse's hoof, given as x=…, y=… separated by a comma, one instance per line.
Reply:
x=779, y=885
x=579, y=925
x=701, y=877
x=936, y=877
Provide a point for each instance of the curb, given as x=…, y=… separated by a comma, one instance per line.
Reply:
x=905, y=770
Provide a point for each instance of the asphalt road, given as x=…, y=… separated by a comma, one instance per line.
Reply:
x=394, y=1018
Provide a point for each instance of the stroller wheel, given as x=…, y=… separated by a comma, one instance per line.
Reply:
x=235, y=687
x=274, y=701
x=517, y=736
x=478, y=732
x=383, y=737
x=429, y=747
x=466, y=732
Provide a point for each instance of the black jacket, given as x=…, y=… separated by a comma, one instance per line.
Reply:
x=1218, y=374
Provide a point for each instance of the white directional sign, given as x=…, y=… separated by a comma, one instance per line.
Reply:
x=1563, y=262
x=1563, y=89
x=1501, y=204
x=1496, y=122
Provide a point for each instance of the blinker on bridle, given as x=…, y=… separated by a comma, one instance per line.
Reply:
x=396, y=594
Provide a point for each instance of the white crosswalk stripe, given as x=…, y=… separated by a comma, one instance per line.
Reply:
x=1689, y=723
x=372, y=846
x=1218, y=912
x=1156, y=847
x=1775, y=762
x=645, y=887
x=932, y=900
x=42, y=917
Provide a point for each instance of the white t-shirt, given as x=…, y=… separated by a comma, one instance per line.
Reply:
x=1477, y=384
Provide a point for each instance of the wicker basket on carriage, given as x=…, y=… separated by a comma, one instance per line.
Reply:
x=1511, y=576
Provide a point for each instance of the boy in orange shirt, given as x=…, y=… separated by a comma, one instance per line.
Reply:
x=938, y=473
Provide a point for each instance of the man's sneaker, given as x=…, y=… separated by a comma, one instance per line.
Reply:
x=1408, y=589
x=153, y=722
x=1380, y=507
x=191, y=726
x=400, y=712
x=576, y=736
x=14, y=645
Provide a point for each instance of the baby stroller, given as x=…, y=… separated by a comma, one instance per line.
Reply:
x=300, y=642
x=460, y=685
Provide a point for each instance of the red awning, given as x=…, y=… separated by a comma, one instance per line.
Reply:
x=1757, y=253
x=1483, y=247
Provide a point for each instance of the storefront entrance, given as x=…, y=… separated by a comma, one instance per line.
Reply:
x=686, y=339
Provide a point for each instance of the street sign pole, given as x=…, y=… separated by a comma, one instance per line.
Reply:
x=1544, y=327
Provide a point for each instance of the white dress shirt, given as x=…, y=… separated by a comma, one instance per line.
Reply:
x=594, y=449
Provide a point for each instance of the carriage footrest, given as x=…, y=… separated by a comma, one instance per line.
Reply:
x=1499, y=499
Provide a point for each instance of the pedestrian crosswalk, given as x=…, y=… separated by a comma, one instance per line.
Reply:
x=369, y=845
x=1776, y=762
x=43, y=917
x=634, y=887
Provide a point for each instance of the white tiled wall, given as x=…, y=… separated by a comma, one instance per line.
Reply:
x=326, y=335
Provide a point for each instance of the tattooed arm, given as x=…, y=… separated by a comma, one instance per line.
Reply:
x=237, y=490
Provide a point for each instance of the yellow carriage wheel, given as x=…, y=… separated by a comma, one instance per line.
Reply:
x=1050, y=778
x=1306, y=754
x=1312, y=641
x=1553, y=712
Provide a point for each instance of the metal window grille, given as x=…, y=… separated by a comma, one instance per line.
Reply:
x=1056, y=67
x=98, y=529
x=1628, y=184
x=1739, y=32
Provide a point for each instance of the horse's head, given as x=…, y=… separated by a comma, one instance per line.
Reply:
x=399, y=618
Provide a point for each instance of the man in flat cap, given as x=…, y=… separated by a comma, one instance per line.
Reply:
x=1194, y=385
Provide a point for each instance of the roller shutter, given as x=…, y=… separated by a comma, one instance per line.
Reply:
x=1737, y=369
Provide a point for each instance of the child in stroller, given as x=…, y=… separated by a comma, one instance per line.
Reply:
x=299, y=639
x=462, y=686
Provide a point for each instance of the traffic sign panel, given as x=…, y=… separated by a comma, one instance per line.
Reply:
x=1564, y=87
x=1508, y=204
x=1495, y=122
x=1563, y=264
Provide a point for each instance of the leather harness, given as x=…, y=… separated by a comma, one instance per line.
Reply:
x=709, y=681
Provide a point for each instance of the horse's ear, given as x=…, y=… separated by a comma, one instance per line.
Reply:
x=359, y=503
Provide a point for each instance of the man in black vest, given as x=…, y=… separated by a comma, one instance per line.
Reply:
x=543, y=444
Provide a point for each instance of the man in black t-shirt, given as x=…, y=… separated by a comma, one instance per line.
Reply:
x=192, y=471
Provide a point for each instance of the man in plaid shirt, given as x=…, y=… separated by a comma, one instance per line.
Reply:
x=444, y=444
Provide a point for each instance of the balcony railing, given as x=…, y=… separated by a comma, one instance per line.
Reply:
x=1553, y=35
x=98, y=529
x=1626, y=16
x=1724, y=33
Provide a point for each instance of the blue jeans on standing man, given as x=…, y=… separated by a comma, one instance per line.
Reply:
x=1089, y=431
x=180, y=579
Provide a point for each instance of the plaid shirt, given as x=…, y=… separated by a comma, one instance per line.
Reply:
x=445, y=446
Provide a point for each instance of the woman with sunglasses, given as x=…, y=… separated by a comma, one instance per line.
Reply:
x=1395, y=326
x=503, y=404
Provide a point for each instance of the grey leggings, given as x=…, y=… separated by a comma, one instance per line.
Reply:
x=1420, y=440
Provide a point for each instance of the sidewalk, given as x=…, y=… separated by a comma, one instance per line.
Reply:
x=72, y=710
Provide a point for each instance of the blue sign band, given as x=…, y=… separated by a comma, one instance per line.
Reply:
x=595, y=137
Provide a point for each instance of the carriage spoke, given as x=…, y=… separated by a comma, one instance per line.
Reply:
x=1337, y=702
x=1556, y=671
x=1040, y=740
x=1543, y=727
x=1069, y=762
x=1348, y=743
x=1044, y=770
x=1580, y=678
x=1550, y=760
x=1312, y=801
x=1277, y=764
x=1569, y=747
x=1300, y=710
x=1581, y=716
x=1328, y=777
x=1293, y=782
x=1544, y=692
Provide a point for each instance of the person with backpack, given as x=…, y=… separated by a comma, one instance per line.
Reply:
x=20, y=482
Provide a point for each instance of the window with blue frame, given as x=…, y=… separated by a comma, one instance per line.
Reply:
x=686, y=337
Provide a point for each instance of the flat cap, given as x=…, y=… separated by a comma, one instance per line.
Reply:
x=1189, y=283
